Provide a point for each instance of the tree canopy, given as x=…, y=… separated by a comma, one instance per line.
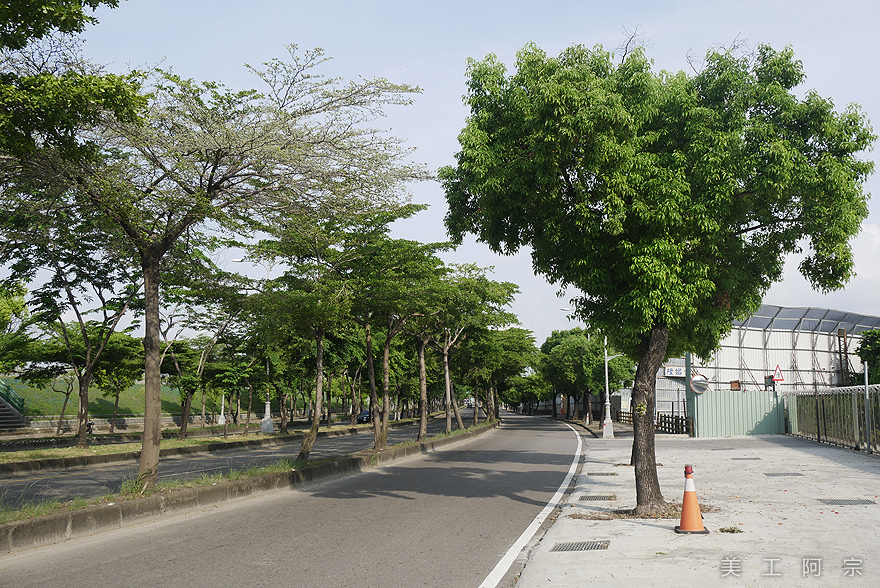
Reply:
x=46, y=91
x=669, y=200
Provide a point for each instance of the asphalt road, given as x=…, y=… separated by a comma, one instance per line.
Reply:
x=96, y=481
x=440, y=519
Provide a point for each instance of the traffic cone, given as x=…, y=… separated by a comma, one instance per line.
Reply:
x=691, y=519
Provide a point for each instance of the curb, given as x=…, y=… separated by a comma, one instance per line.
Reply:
x=64, y=526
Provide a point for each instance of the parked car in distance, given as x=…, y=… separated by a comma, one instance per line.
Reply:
x=364, y=417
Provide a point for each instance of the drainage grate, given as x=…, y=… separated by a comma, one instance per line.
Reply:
x=780, y=474
x=601, y=473
x=744, y=458
x=596, y=498
x=845, y=502
x=582, y=546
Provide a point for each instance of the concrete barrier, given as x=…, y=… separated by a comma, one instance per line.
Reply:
x=63, y=526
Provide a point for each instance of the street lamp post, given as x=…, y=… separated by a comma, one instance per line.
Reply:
x=607, y=426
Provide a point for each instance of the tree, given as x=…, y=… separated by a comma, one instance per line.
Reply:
x=396, y=273
x=120, y=368
x=13, y=326
x=470, y=301
x=526, y=391
x=869, y=352
x=494, y=358
x=206, y=156
x=87, y=275
x=46, y=92
x=670, y=201
x=574, y=363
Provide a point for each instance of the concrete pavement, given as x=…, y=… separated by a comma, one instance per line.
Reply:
x=790, y=498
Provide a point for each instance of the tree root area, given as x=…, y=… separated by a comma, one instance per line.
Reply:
x=671, y=510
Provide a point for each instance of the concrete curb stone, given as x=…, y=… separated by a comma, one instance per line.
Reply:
x=62, y=526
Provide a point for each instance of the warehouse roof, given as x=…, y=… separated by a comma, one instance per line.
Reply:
x=781, y=318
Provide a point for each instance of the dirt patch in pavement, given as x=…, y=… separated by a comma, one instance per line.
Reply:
x=672, y=511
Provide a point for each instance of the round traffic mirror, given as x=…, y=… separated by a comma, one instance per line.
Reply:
x=699, y=384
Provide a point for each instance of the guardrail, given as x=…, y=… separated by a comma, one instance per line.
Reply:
x=848, y=417
x=13, y=399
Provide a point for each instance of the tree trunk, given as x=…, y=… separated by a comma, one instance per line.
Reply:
x=285, y=410
x=329, y=399
x=227, y=416
x=487, y=403
x=309, y=440
x=247, y=419
x=649, y=498
x=82, y=440
x=476, y=405
x=148, y=465
x=386, y=396
x=355, y=396
x=115, y=414
x=423, y=389
x=448, y=389
x=374, y=401
x=458, y=420
x=61, y=416
x=184, y=416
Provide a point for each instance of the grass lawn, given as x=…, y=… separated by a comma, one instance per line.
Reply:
x=47, y=401
x=39, y=403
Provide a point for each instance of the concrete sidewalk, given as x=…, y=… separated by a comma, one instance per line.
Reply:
x=771, y=488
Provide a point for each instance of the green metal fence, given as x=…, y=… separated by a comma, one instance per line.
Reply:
x=13, y=399
x=849, y=417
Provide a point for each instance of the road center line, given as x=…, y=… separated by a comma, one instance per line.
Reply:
x=497, y=574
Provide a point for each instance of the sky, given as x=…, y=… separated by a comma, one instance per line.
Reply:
x=427, y=44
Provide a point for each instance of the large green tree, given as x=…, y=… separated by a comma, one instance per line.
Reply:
x=670, y=200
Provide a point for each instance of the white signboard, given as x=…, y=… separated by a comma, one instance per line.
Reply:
x=674, y=371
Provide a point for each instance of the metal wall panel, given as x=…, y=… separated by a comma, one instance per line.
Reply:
x=724, y=413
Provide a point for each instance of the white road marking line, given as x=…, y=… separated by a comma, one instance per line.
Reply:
x=497, y=574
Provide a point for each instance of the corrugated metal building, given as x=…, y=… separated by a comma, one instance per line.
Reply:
x=804, y=348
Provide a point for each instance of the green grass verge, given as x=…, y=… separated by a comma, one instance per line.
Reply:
x=131, y=489
x=46, y=401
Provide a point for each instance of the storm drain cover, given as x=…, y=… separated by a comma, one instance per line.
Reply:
x=601, y=473
x=780, y=474
x=582, y=546
x=596, y=498
x=744, y=458
x=845, y=502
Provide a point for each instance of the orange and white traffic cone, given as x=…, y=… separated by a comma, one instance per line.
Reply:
x=691, y=519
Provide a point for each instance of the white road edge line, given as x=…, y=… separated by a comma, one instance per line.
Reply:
x=497, y=574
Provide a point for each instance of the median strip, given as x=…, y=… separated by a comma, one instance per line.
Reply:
x=122, y=510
